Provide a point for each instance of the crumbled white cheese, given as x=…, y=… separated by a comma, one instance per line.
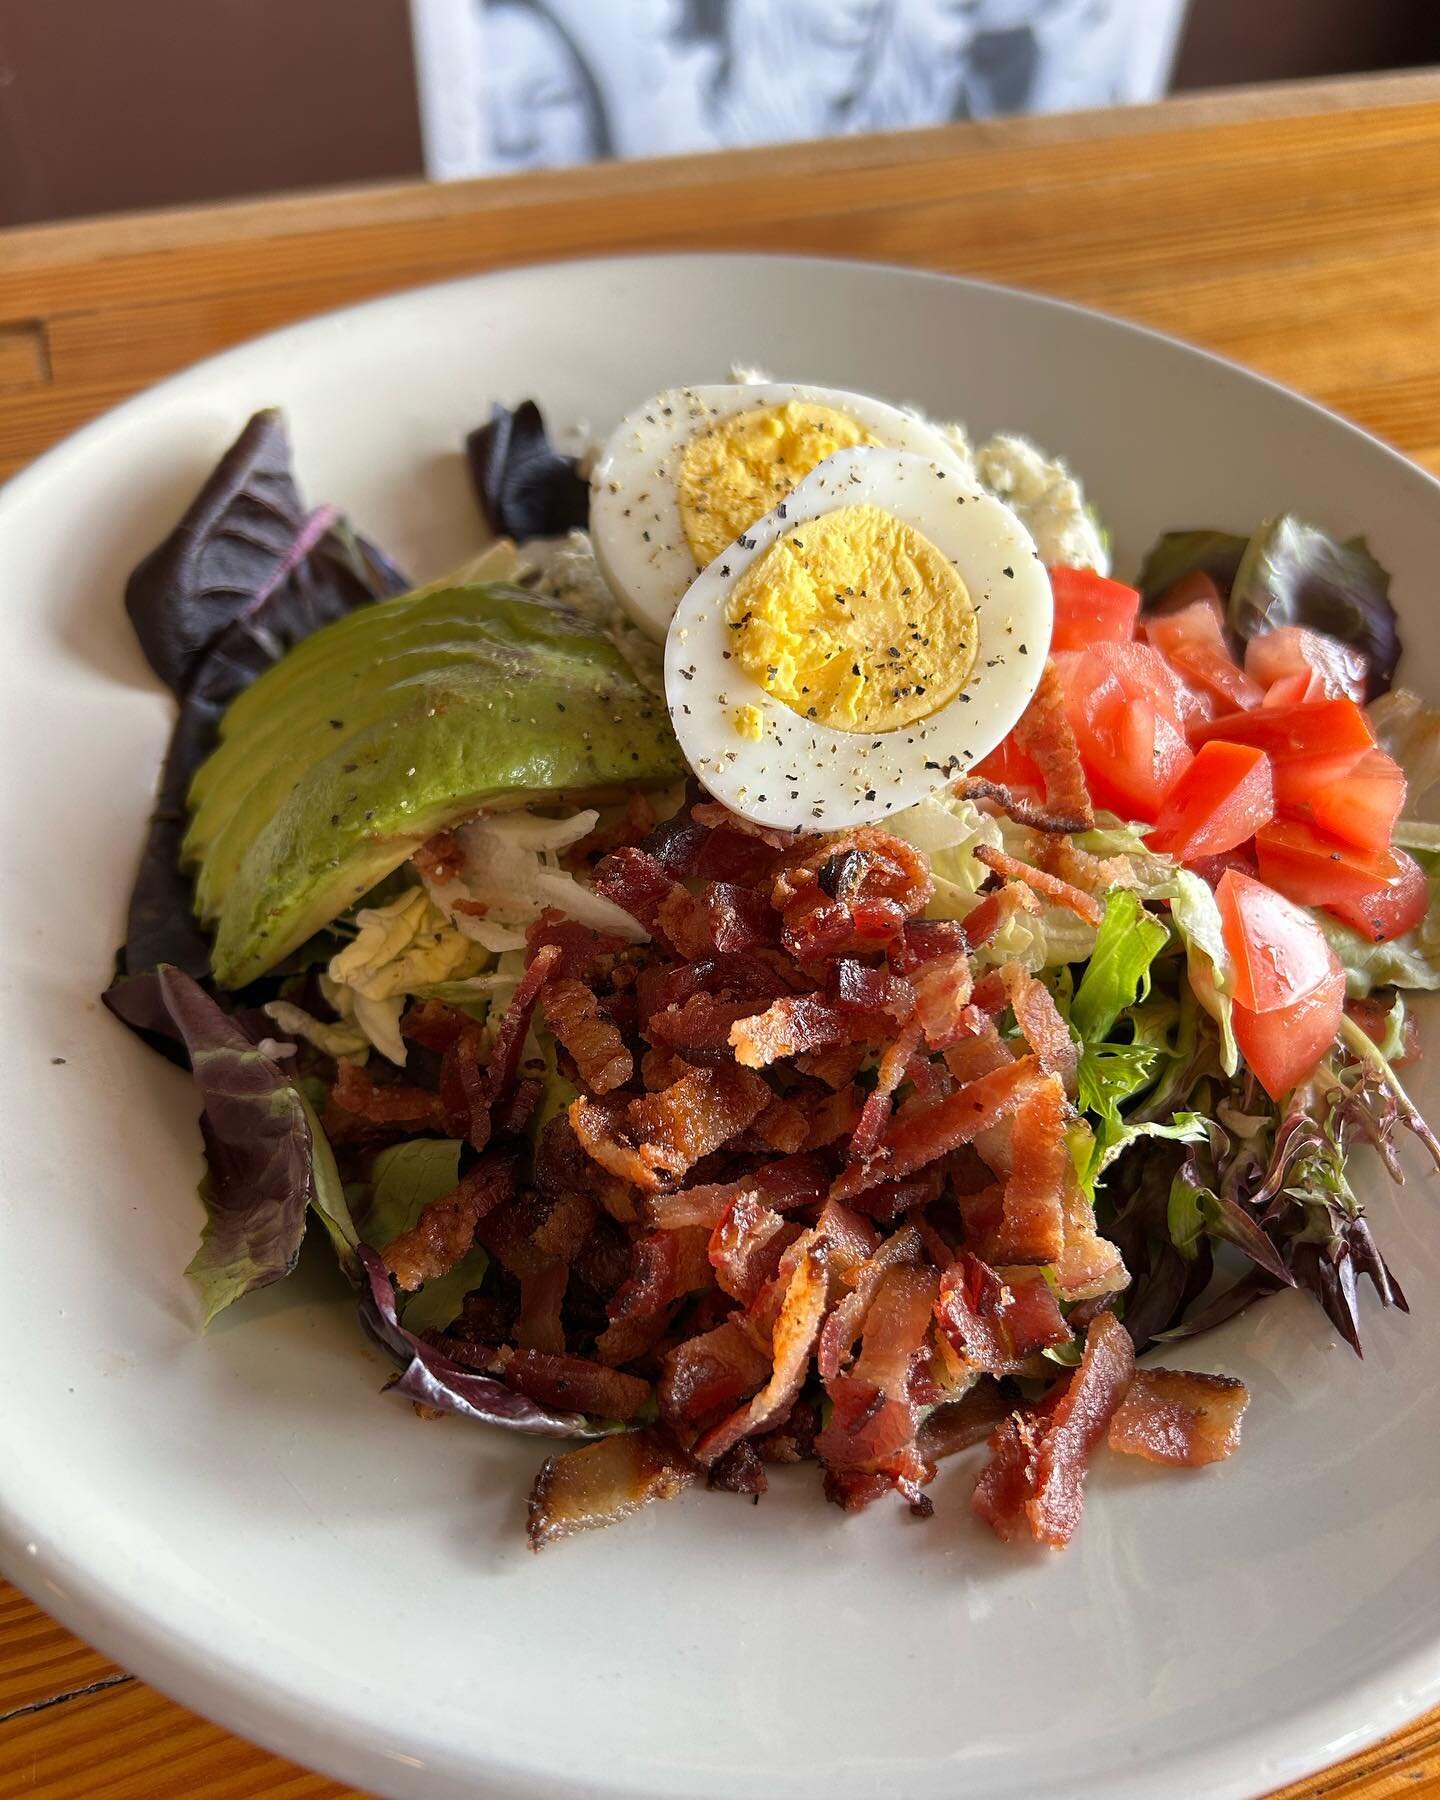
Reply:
x=1047, y=498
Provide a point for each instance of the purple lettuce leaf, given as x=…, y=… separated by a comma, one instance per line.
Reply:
x=525, y=486
x=434, y=1379
x=267, y=1160
x=246, y=574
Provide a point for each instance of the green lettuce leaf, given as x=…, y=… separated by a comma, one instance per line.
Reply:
x=1294, y=574
x=403, y=1181
x=1212, y=976
x=1118, y=973
x=1410, y=730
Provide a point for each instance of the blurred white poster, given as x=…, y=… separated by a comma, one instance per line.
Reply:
x=521, y=84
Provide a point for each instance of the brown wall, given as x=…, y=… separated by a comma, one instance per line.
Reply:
x=113, y=104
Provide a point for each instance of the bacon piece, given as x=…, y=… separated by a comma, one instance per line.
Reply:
x=639, y=885
x=1032, y=1225
x=1041, y=1024
x=887, y=1200
x=597, y=1125
x=698, y=1113
x=990, y=916
x=574, y=1016
x=1045, y=735
x=962, y=1423
x=564, y=1383
x=1174, y=1416
x=849, y=1241
x=441, y=859
x=1007, y=1481
x=739, y=918
x=1075, y=1427
x=626, y=1340
x=434, y=1024
x=933, y=1131
x=979, y=1054
x=542, y=1293
x=661, y=1069
x=836, y=1066
x=997, y=1322
x=926, y=940
x=797, y=1022
x=514, y=1027
x=445, y=1228
x=664, y=1266
x=835, y=1117
x=603, y=1482
x=850, y=891
x=580, y=948
x=384, y=1103
x=1089, y=1265
x=1050, y=887
x=465, y=1086
x=1021, y=808
x=700, y=1025
x=716, y=817
x=875, y=1114
x=782, y=1126
x=746, y=1246
x=942, y=992
x=1098, y=875
x=568, y=1222
x=795, y=1330
x=711, y=1371
x=843, y=1327
x=782, y=1185
x=869, y=1445
x=855, y=987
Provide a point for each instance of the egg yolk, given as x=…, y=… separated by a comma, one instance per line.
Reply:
x=855, y=620
x=733, y=473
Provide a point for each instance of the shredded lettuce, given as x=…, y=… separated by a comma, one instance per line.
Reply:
x=1212, y=975
x=1118, y=973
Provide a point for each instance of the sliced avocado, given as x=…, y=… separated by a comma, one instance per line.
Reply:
x=493, y=696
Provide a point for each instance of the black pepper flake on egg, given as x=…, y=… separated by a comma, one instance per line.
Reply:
x=1008, y=573
x=1024, y=651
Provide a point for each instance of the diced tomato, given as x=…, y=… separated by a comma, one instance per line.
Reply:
x=1196, y=586
x=1143, y=672
x=1283, y=1046
x=1290, y=690
x=1363, y=807
x=1133, y=755
x=1279, y=952
x=1091, y=609
x=1315, y=869
x=1221, y=800
x=1193, y=641
x=1298, y=779
x=1008, y=764
x=1313, y=728
x=1212, y=868
x=1392, y=910
x=1329, y=669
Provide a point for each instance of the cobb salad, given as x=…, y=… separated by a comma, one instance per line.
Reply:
x=785, y=958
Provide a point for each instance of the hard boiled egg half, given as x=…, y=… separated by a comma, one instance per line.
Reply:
x=684, y=475
x=865, y=642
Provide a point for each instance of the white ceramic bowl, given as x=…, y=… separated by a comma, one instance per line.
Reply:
x=246, y=1522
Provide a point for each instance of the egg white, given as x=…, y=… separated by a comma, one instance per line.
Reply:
x=635, y=520
x=804, y=776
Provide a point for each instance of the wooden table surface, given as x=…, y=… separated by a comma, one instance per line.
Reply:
x=1297, y=230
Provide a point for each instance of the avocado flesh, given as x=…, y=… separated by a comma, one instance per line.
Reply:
x=523, y=700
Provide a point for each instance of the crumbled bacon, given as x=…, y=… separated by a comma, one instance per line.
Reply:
x=700, y=1025
x=1173, y=1416
x=933, y=1131
x=739, y=918
x=1039, y=1460
x=575, y=1017
x=384, y=1103
x=514, y=1026
x=997, y=1321
x=602, y=1482
x=445, y=1229
x=580, y=948
x=875, y=1114
x=1049, y=887
x=542, y=1293
x=711, y=1371
x=715, y=817
x=993, y=913
x=783, y=1126
x=796, y=1023
x=746, y=1246
x=925, y=940
x=942, y=992
x=793, y=1338
x=784, y=1185
x=1041, y=1023
x=441, y=859
x=1020, y=807
x=1032, y=1224
x=637, y=883
x=699, y=1113
x=1045, y=735
x=852, y=892
x=574, y=1384
x=665, y=1266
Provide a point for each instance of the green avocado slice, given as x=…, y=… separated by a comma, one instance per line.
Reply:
x=448, y=700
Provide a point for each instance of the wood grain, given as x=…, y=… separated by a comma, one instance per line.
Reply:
x=1296, y=229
